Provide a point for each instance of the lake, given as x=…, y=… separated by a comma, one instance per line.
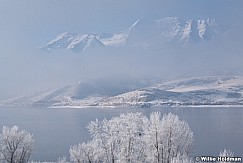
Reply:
x=55, y=130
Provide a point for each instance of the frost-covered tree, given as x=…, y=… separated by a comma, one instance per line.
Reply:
x=181, y=159
x=121, y=138
x=85, y=153
x=167, y=137
x=132, y=138
x=15, y=146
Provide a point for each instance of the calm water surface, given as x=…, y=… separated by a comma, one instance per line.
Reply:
x=55, y=130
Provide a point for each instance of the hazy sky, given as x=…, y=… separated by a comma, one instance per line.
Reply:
x=40, y=20
x=28, y=24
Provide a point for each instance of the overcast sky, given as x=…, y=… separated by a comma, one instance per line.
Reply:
x=27, y=24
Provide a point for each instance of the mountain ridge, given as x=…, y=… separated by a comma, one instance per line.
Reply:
x=165, y=29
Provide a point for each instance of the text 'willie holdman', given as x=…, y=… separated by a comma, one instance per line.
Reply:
x=217, y=159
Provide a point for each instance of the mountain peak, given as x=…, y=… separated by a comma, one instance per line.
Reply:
x=187, y=31
x=135, y=24
x=168, y=29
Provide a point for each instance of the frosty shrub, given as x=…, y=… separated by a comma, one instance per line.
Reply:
x=133, y=137
x=226, y=153
x=15, y=146
x=62, y=160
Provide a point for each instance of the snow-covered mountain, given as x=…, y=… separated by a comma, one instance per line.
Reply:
x=80, y=42
x=189, y=31
x=142, y=32
x=75, y=42
x=200, y=91
x=79, y=94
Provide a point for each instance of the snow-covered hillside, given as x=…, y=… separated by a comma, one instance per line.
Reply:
x=200, y=91
x=166, y=29
x=79, y=94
